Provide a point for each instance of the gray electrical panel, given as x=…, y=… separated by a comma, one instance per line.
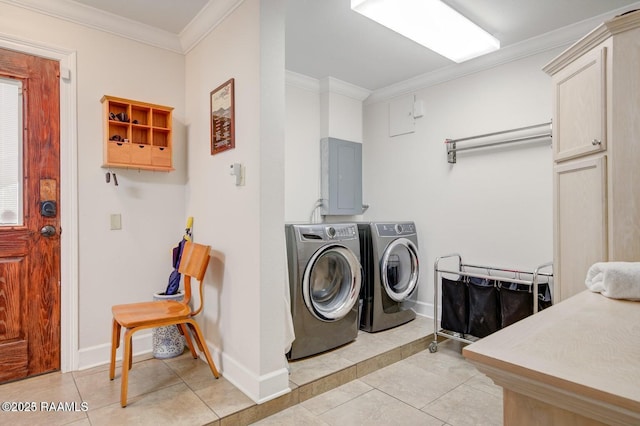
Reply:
x=341, y=180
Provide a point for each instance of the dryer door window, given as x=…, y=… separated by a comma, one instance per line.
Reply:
x=399, y=269
x=331, y=283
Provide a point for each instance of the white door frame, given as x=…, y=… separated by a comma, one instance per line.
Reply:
x=69, y=354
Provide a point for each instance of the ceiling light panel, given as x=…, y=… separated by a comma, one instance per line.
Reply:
x=432, y=24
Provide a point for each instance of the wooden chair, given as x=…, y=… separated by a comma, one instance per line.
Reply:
x=139, y=316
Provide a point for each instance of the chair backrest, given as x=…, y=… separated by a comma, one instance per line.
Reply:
x=193, y=264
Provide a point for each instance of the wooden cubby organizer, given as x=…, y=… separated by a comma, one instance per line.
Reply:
x=140, y=140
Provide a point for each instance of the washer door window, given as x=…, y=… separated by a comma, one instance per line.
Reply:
x=331, y=283
x=399, y=269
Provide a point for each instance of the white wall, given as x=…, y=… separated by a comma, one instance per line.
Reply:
x=316, y=109
x=244, y=317
x=493, y=206
x=341, y=110
x=130, y=264
x=302, y=151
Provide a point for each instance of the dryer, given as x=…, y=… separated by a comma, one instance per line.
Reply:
x=325, y=277
x=389, y=255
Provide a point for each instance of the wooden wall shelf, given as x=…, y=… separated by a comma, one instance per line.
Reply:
x=137, y=135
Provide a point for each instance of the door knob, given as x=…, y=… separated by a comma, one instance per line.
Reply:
x=48, y=231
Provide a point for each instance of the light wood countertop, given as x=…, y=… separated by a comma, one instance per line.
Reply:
x=582, y=355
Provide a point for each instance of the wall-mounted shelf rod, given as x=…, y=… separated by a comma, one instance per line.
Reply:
x=452, y=147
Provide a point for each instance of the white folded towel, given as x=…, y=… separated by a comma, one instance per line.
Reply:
x=617, y=280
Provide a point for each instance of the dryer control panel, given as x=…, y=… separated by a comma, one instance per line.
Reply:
x=395, y=229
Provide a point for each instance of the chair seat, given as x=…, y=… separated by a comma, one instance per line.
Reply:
x=138, y=314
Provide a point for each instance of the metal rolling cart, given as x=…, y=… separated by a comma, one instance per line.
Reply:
x=499, y=277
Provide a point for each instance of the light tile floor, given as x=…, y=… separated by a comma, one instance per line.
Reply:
x=382, y=378
x=424, y=389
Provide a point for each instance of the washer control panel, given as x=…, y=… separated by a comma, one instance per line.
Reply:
x=328, y=232
x=395, y=229
x=342, y=232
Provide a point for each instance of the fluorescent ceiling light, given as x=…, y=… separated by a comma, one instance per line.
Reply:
x=431, y=23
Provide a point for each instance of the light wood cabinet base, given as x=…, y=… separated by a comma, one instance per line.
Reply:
x=521, y=410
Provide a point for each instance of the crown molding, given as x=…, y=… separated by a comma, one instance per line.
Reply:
x=101, y=20
x=561, y=38
x=594, y=38
x=302, y=81
x=327, y=84
x=206, y=21
x=333, y=85
x=202, y=24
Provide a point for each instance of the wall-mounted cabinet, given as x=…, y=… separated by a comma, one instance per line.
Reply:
x=596, y=152
x=137, y=135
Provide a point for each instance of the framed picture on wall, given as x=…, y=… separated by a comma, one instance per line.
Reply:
x=222, y=118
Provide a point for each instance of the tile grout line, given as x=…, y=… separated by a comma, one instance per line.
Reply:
x=86, y=414
x=166, y=362
x=415, y=408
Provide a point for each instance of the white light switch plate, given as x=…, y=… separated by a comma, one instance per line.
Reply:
x=116, y=221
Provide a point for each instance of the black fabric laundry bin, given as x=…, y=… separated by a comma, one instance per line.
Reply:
x=544, y=296
x=516, y=303
x=484, y=309
x=455, y=305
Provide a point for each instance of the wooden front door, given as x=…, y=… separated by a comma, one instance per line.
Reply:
x=29, y=215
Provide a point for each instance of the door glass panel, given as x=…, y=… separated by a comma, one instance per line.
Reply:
x=10, y=152
x=400, y=269
x=330, y=282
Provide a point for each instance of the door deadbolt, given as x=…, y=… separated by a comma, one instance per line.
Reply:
x=48, y=208
x=48, y=231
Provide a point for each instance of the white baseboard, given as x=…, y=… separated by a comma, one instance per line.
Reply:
x=95, y=356
x=424, y=309
x=259, y=388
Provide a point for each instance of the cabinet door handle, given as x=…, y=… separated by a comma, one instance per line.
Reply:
x=595, y=142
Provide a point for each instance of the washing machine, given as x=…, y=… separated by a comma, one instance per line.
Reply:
x=389, y=255
x=325, y=277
